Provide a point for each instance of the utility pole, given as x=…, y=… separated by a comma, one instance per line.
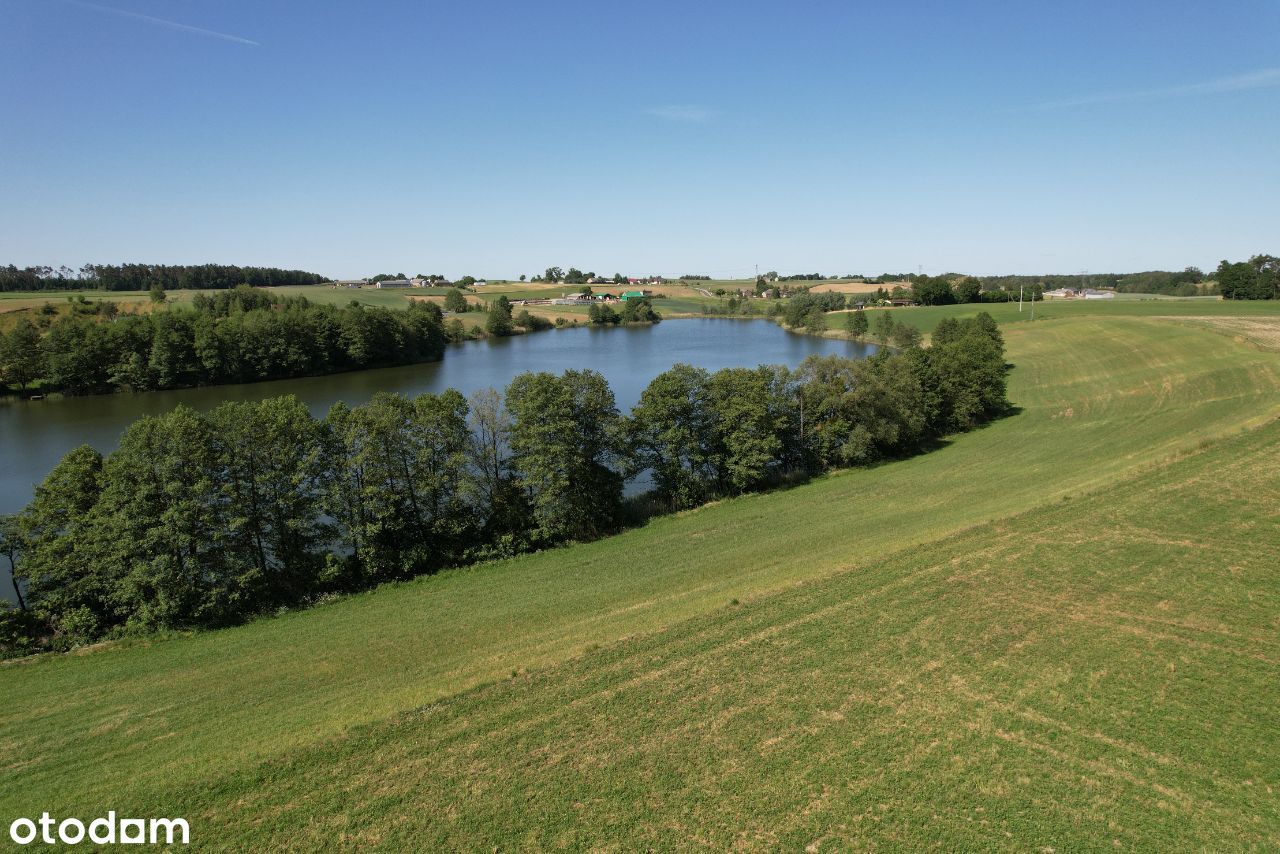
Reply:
x=1020, y=287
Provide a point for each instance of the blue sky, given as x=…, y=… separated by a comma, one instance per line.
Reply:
x=497, y=138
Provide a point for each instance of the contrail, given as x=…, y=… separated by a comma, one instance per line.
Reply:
x=682, y=113
x=173, y=25
x=1264, y=78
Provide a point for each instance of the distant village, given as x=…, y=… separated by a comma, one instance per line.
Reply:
x=396, y=283
x=441, y=282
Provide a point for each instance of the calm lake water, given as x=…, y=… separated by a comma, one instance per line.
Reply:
x=34, y=435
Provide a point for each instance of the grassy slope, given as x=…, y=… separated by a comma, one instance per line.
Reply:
x=1100, y=399
x=925, y=318
x=1094, y=676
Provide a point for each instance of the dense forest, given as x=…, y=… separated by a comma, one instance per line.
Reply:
x=238, y=335
x=144, y=277
x=204, y=520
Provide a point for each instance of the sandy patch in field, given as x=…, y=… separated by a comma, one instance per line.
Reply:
x=1261, y=331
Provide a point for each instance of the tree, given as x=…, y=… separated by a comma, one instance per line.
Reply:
x=77, y=356
x=830, y=390
x=968, y=289
x=269, y=457
x=531, y=322
x=884, y=328
x=11, y=545
x=21, y=358
x=637, y=311
x=553, y=274
x=396, y=483
x=455, y=301
x=932, y=290
x=1257, y=278
x=454, y=330
x=172, y=362
x=671, y=431
x=66, y=586
x=751, y=419
x=565, y=442
x=164, y=528
x=600, y=314
x=906, y=336
x=522, y=277
x=947, y=330
x=496, y=499
x=157, y=293
x=855, y=323
x=968, y=359
x=498, y=323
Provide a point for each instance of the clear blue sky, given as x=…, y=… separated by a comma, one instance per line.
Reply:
x=500, y=138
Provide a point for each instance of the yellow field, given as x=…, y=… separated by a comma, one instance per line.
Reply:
x=851, y=287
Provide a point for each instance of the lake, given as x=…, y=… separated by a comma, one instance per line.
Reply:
x=34, y=435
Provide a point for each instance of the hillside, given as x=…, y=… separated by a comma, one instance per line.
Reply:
x=1041, y=682
x=1121, y=418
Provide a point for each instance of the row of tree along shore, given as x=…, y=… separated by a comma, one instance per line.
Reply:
x=245, y=334
x=205, y=520
x=239, y=335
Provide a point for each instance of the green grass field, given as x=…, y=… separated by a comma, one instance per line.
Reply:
x=925, y=318
x=1061, y=679
x=1057, y=631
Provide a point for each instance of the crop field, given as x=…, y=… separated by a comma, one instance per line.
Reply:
x=851, y=287
x=1056, y=631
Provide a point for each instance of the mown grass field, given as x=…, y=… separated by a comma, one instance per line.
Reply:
x=1097, y=675
x=925, y=318
x=1061, y=627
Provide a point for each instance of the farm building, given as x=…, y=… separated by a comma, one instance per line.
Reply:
x=636, y=294
x=1078, y=293
x=394, y=283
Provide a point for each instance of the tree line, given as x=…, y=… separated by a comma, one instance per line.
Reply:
x=144, y=277
x=1257, y=278
x=635, y=310
x=204, y=520
x=238, y=335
